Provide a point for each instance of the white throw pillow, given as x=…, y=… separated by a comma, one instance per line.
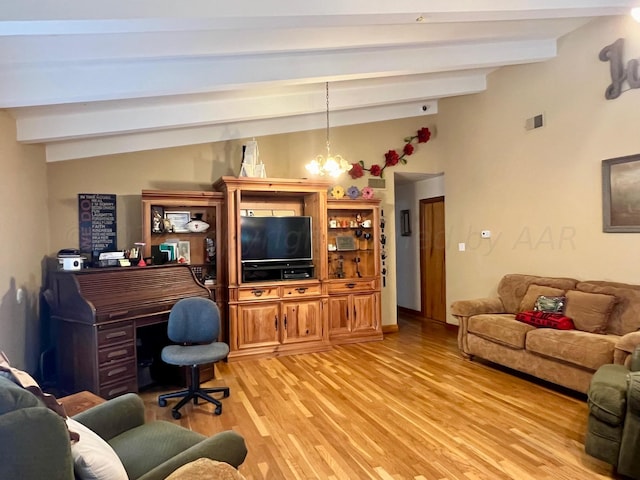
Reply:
x=93, y=458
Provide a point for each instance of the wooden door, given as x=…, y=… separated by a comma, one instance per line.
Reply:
x=258, y=325
x=302, y=321
x=432, y=259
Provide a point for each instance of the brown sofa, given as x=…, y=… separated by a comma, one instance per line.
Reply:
x=606, y=316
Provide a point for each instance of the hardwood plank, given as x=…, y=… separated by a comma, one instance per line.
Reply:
x=409, y=407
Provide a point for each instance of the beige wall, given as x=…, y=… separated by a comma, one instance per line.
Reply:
x=197, y=167
x=539, y=191
x=25, y=237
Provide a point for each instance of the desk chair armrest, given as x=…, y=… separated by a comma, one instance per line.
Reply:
x=225, y=446
x=115, y=416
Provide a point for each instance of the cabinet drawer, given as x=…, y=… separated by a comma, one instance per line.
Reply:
x=118, y=372
x=109, y=336
x=295, y=291
x=352, y=286
x=258, y=293
x=113, y=354
x=120, y=388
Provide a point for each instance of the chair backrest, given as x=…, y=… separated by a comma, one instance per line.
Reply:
x=194, y=320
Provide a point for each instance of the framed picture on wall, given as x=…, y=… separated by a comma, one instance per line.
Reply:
x=405, y=223
x=621, y=194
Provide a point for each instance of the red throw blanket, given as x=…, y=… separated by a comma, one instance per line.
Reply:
x=546, y=319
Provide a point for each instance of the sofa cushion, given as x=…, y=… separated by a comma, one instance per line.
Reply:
x=533, y=292
x=513, y=287
x=545, y=320
x=625, y=316
x=572, y=346
x=168, y=440
x=589, y=311
x=500, y=328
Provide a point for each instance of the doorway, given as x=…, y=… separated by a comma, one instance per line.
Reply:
x=432, y=259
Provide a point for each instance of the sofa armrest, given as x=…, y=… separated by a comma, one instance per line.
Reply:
x=34, y=444
x=115, y=416
x=228, y=447
x=468, y=308
x=463, y=309
x=625, y=347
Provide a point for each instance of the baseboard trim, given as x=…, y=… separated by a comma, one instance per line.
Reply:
x=390, y=328
x=416, y=315
x=407, y=312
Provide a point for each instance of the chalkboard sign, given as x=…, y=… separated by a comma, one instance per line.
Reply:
x=97, y=219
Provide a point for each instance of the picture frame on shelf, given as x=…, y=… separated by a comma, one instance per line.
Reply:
x=621, y=195
x=184, y=252
x=179, y=220
x=157, y=219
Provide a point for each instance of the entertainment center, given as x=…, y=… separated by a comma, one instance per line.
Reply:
x=280, y=275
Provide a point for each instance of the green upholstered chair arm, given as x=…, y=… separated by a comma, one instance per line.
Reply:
x=115, y=416
x=34, y=444
x=225, y=446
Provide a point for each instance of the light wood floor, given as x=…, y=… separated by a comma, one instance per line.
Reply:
x=408, y=407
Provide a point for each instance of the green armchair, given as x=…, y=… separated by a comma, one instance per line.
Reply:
x=613, y=428
x=34, y=440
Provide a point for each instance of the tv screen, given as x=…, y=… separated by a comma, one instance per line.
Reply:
x=275, y=238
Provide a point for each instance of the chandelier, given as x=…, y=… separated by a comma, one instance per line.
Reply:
x=332, y=165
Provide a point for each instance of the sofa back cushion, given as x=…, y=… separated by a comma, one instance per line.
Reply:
x=590, y=312
x=625, y=316
x=513, y=287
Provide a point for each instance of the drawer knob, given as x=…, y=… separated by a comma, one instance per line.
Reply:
x=257, y=293
x=301, y=289
x=351, y=285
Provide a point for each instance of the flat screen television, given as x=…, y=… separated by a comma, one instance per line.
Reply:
x=275, y=239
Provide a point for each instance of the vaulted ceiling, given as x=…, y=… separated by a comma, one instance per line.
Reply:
x=95, y=78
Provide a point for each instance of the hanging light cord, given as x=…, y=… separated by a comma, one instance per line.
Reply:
x=328, y=143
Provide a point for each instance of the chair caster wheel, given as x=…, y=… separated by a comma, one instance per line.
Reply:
x=218, y=410
x=225, y=394
x=175, y=414
x=162, y=402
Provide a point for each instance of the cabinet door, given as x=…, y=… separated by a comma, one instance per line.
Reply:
x=364, y=313
x=258, y=325
x=339, y=315
x=302, y=321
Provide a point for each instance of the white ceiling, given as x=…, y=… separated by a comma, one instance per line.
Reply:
x=93, y=78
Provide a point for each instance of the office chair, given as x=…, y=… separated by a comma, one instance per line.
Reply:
x=194, y=324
